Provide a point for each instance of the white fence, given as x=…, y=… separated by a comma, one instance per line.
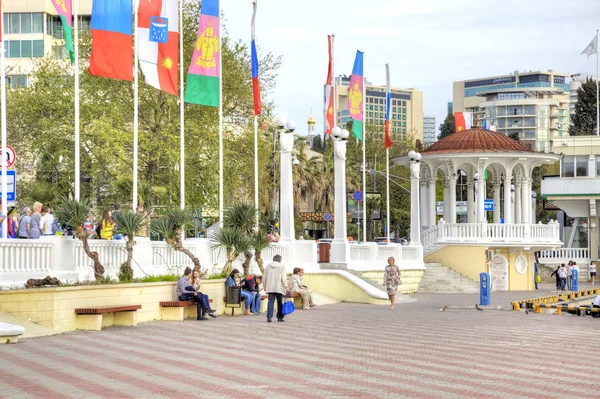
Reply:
x=371, y=256
x=564, y=255
x=490, y=234
x=65, y=258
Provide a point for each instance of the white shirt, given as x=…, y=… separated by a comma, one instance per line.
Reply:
x=596, y=301
x=592, y=268
x=46, y=224
x=562, y=272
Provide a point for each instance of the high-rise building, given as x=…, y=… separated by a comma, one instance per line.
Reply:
x=450, y=105
x=32, y=29
x=429, y=131
x=530, y=104
x=406, y=115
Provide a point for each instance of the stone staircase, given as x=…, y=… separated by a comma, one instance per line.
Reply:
x=440, y=279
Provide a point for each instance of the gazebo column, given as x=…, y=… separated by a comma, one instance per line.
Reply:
x=507, y=201
x=480, y=194
x=446, y=200
x=526, y=200
x=452, y=199
x=470, y=202
x=496, y=202
x=431, y=203
x=424, y=206
x=518, y=197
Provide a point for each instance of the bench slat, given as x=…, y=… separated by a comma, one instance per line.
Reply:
x=108, y=309
x=179, y=304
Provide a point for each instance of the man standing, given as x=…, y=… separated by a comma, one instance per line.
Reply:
x=562, y=274
x=275, y=284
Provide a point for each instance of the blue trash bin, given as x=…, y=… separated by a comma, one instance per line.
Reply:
x=484, y=289
x=574, y=280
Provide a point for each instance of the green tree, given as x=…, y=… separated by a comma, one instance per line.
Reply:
x=73, y=213
x=514, y=136
x=583, y=122
x=171, y=227
x=128, y=223
x=448, y=127
x=40, y=126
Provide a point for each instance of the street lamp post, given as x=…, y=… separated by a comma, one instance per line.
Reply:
x=415, y=222
x=340, y=251
x=286, y=143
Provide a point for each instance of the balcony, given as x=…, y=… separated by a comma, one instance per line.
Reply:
x=571, y=186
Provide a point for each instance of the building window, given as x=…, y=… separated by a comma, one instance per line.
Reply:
x=597, y=166
x=581, y=163
x=14, y=49
x=568, y=167
x=403, y=117
x=16, y=81
x=26, y=49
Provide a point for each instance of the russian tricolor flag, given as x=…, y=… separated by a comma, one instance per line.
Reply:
x=255, y=82
x=112, y=41
x=388, y=106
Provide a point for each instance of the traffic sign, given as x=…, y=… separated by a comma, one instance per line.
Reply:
x=358, y=195
x=10, y=156
x=327, y=217
x=11, y=187
x=488, y=205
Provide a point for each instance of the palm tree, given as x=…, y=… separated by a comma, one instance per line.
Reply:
x=241, y=216
x=259, y=242
x=73, y=213
x=233, y=241
x=172, y=227
x=128, y=223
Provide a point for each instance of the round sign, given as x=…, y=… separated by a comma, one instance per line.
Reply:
x=358, y=195
x=327, y=217
x=10, y=156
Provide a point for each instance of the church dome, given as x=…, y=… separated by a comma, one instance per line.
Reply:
x=311, y=120
x=475, y=140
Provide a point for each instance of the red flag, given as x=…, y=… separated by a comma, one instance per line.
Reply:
x=388, y=106
x=462, y=120
x=329, y=97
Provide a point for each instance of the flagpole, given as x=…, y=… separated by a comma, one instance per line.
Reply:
x=220, y=117
x=333, y=83
x=364, y=159
x=135, y=107
x=3, y=129
x=597, y=89
x=256, y=167
x=387, y=192
x=76, y=66
x=181, y=112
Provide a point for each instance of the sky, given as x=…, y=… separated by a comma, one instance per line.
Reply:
x=428, y=43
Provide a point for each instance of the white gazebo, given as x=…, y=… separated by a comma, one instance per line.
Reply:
x=505, y=218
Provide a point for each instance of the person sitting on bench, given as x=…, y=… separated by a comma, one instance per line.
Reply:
x=250, y=284
x=187, y=292
x=299, y=287
x=246, y=295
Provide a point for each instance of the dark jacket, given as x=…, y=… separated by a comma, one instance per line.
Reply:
x=249, y=284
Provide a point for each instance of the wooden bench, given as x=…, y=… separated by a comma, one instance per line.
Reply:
x=92, y=318
x=9, y=333
x=178, y=310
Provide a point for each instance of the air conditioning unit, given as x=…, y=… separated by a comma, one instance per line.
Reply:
x=490, y=254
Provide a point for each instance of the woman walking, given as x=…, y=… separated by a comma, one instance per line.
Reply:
x=391, y=279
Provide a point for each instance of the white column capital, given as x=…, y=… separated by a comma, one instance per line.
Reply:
x=286, y=141
x=339, y=147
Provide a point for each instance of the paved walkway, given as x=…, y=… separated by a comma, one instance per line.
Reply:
x=333, y=351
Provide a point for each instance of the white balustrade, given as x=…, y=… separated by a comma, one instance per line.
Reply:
x=563, y=255
x=410, y=253
x=360, y=252
x=24, y=256
x=165, y=257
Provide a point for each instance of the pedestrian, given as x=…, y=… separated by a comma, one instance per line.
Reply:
x=47, y=224
x=299, y=287
x=247, y=296
x=25, y=223
x=574, y=268
x=391, y=280
x=194, y=281
x=186, y=292
x=35, y=230
x=250, y=284
x=562, y=274
x=557, y=277
x=107, y=226
x=592, y=271
x=596, y=304
x=569, y=278
x=536, y=275
x=12, y=223
x=275, y=283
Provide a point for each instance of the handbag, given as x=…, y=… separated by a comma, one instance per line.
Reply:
x=288, y=307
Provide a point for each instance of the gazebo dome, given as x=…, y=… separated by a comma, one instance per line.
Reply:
x=475, y=140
